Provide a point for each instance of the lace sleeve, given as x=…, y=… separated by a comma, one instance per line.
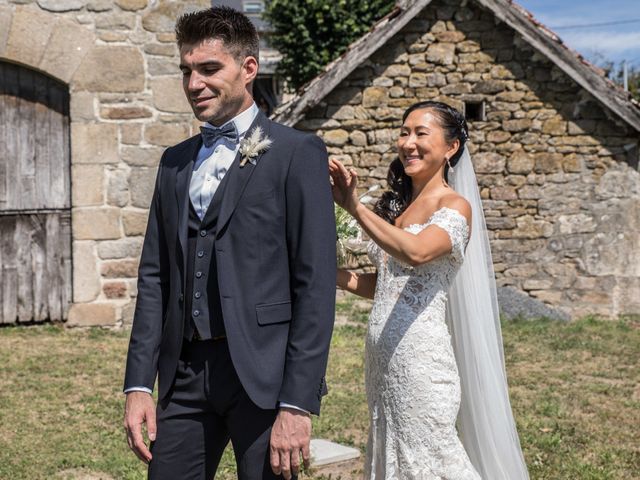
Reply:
x=455, y=224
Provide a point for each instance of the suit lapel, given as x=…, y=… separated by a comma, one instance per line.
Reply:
x=239, y=176
x=183, y=179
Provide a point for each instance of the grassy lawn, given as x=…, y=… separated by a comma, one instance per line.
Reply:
x=575, y=391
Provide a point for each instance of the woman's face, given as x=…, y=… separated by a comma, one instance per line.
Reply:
x=422, y=146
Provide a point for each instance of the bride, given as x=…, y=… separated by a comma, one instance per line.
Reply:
x=434, y=346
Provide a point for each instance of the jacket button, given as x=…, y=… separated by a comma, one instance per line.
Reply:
x=198, y=274
x=203, y=233
x=196, y=313
x=197, y=295
x=201, y=253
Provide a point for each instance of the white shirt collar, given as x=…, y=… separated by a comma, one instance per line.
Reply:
x=243, y=120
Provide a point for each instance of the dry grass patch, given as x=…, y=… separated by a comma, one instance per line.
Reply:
x=574, y=390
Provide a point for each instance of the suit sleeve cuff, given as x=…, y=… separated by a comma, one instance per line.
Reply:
x=138, y=389
x=288, y=405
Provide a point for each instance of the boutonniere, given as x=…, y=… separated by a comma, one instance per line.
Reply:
x=253, y=145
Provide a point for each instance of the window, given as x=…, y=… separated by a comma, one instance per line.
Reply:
x=253, y=7
x=474, y=111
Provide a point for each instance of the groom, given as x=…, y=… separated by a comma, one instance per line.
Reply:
x=236, y=286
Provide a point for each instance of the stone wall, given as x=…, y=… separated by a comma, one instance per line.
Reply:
x=561, y=197
x=120, y=61
x=561, y=200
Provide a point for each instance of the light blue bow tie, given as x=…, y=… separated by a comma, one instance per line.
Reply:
x=211, y=134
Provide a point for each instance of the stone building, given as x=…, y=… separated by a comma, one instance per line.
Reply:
x=116, y=63
x=555, y=144
x=90, y=96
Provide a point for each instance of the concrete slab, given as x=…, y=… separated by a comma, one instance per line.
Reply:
x=324, y=452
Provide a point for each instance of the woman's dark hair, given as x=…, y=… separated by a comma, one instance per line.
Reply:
x=232, y=27
x=394, y=201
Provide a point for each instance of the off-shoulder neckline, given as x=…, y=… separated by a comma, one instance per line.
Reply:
x=433, y=215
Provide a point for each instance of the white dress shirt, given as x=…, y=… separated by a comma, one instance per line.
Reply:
x=213, y=162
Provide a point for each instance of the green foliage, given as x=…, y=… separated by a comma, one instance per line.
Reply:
x=346, y=229
x=615, y=72
x=633, y=79
x=346, y=226
x=312, y=33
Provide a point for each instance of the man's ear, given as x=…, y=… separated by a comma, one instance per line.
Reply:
x=250, y=69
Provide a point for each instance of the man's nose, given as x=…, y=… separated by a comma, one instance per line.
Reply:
x=195, y=82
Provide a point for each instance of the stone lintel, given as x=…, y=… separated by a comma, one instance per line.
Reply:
x=29, y=35
x=67, y=46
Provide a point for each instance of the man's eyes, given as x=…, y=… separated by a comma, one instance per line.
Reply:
x=204, y=71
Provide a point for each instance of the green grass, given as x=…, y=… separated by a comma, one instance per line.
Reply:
x=574, y=388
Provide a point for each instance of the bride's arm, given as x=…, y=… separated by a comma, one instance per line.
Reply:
x=412, y=249
x=362, y=284
x=429, y=244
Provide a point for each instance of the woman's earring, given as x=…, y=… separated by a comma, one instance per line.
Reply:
x=449, y=163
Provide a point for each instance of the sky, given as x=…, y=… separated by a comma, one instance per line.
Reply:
x=596, y=43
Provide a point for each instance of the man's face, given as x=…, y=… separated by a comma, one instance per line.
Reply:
x=214, y=81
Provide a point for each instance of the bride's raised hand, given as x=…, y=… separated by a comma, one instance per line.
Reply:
x=344, y=184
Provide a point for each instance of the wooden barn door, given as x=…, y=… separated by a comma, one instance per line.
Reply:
x=35, y=200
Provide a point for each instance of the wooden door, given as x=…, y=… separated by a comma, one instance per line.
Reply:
x=35, y=200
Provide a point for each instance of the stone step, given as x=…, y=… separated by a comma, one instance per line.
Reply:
x=324, y=452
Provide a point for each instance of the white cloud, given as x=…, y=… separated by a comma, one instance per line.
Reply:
x=611, y=43
x=615, y=42
x=578, y=12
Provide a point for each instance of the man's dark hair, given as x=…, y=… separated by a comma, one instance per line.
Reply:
x=224, y=23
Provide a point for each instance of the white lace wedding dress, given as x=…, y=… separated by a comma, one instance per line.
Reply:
x=413, y=387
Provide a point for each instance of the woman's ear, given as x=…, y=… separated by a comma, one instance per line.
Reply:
x=453, y=148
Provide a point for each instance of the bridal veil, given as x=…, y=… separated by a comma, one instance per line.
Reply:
x=485, y=422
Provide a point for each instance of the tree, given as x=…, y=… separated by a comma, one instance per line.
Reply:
x=311, y=33
x=615, y=72
x=633, y=78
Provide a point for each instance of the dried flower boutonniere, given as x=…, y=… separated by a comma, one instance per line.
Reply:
x=253, y=145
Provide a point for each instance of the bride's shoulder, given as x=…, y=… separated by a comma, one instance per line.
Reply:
x=456, y=202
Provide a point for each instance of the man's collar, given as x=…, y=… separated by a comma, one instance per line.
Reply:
x=242, y=121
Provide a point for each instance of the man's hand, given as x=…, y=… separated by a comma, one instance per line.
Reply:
x=290, y=436
x=139, y=408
